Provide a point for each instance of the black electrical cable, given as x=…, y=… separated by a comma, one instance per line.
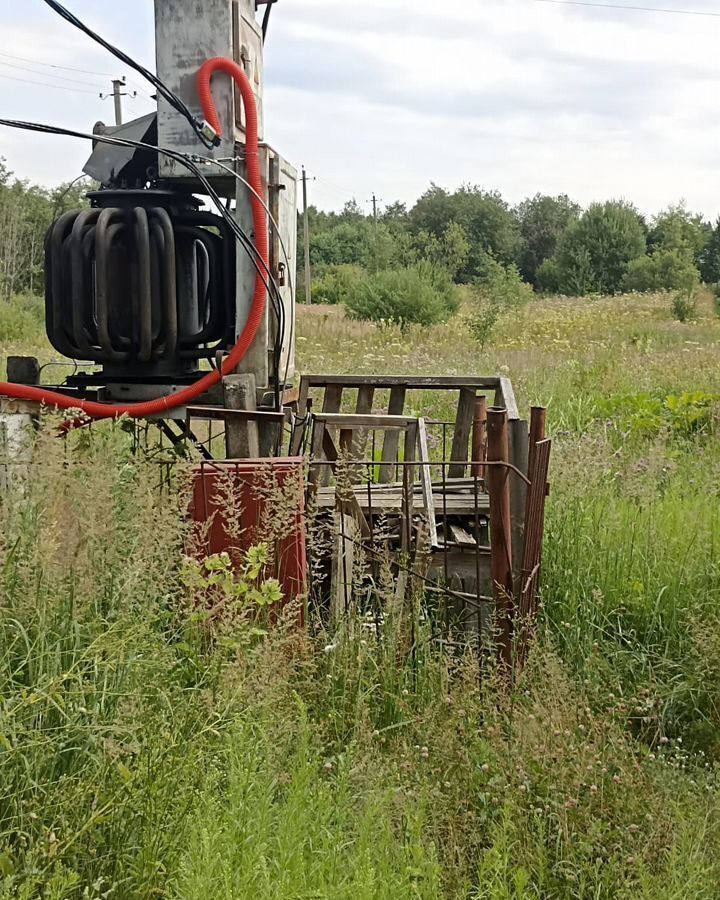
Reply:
x=267, y=278
x=202, y=129
x=266, y=19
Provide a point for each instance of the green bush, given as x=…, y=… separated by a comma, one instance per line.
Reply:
x=664, y=270
x=21, y=318
x=502, y=285
x=548, y=276
x=336, y=283
x=649, y=413
x=421, y=294
x=497, y=288
x=482, y=321
x=684, y=305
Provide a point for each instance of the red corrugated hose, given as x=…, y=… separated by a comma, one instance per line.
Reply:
x=257, y=310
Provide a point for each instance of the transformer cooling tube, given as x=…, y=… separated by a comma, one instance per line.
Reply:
x=257, y=309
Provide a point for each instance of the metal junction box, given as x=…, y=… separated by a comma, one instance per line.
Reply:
x=187, y=34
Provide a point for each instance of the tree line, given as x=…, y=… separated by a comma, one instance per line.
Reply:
x=467, y=235
x=549, y=242
x=26, y=211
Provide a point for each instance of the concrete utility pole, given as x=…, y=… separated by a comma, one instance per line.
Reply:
x=375, y=202
x=117, y=94
x=306, y=223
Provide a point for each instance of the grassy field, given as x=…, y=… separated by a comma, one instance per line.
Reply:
x=140, y=759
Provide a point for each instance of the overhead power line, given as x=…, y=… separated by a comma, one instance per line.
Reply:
x=38, y=62
x=87, y=84
x=650, y=9
x=45, y=84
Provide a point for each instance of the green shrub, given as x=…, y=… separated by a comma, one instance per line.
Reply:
x=503, y=285
x=647, y=414
x=548, y=276
x=421, y=294
x=498, y=288
x=336, y=283
x=684, y=305
x=664, y=270
x=482, y=321
x=21, y=318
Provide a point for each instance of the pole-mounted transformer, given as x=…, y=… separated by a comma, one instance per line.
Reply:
x=149, y=282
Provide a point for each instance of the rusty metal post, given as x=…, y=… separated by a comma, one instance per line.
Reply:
x=479, y=447
x=501, y=529
x=538, y=418
x=519, y=457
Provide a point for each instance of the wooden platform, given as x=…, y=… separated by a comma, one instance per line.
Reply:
x=457, y=499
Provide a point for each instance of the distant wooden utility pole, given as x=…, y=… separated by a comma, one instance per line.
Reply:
x=306, y=223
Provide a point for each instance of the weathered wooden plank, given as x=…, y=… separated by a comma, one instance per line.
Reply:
x=364, y=406
x=413, y=382
x=222, y=412
x=331, y=405
x=505, y=397
x=461, y=436
x=316, y=452
x=290, y=396
x=299, y=427
x=396, y=407
x=375, y=505
x=408, y=475
x=427, y=483
x=372, y=422
x=343, y=565
x=346, y=441
x=459, y=488
x=461, y=537
x=333, y=398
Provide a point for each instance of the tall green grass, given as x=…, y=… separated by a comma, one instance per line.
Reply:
x=22, y=319
x=140, y=759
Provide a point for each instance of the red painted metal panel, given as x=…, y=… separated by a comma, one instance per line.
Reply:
x=242, y=503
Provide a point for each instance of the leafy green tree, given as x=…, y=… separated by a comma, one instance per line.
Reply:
x=543, y=220
x=676, y=243
x=360, y=243
x=450, y=251
x=486, y=218
x=395, y=213
x=336, y=283
x=26, y=211
x=662, y=270
x=678, y=229
x=594, y=253
x=709, y=262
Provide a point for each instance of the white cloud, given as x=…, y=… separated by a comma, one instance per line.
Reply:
x=386, y=96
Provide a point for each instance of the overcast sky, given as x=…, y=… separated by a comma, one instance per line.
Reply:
x=389, y=95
